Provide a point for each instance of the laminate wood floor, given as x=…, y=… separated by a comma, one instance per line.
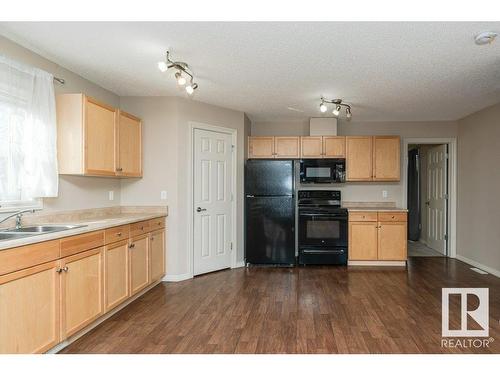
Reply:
x=296, y=310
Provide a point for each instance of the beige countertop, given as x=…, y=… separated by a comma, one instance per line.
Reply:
x=381, y=209
x=89, y=226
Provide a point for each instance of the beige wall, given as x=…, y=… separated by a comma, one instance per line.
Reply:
x=367, y=191
x=166, y=134
x=478, y=187
x=74, y=192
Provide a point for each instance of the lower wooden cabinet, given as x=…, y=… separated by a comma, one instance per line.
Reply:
x=157, y=254
x=82, y=290
x=139, y=263
x=392, y=241
x=363, y=240
x=377, y=236
x=29, y=309
x=44, y=304
x=116, y=274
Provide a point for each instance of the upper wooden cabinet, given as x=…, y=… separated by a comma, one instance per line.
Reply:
x=260, y=147
x=311, y=147
x=273, y=147
x=129, y=160
x=95, y=139
x=386, y=158
x=286, y=147
x=359, y=153
x=317, y=147
x=373, y=158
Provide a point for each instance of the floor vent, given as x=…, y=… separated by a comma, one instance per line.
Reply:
x=479, y=271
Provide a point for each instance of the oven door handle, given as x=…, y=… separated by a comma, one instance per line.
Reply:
x=325, y=251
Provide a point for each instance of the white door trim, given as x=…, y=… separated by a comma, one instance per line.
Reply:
x=452, y=184
x=190, y=217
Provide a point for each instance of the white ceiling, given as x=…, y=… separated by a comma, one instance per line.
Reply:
x=388, y=71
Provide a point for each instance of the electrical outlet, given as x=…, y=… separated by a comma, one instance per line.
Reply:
x=163, y=195
x=384, y=193
x=111, y=195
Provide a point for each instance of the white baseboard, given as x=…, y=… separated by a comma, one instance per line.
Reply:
x=239, y=264
x=478, y=265
x=391, y=263
x=176, y=278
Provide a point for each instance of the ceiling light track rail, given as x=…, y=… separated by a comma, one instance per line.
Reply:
x=338, y=106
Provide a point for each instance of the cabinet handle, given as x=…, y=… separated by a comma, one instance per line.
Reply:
x=131, y=246
x=119, y=234
x=152, y=238
x=119, y=169
x=142, y=228
x=393, y=217
x=59, y=270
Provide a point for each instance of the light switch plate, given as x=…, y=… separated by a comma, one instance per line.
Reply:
x=384, y=193
x=111, y=195
x=163, y=195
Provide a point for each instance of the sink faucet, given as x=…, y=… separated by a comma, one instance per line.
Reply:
x=19, y=216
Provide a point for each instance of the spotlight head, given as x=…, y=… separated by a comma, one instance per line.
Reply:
x=162, y=65
x=336, y=111
x=348, y=114
x=181, y=81
x=190, y=88
x=323, y=108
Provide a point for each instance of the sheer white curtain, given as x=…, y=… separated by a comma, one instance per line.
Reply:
x=28, y=152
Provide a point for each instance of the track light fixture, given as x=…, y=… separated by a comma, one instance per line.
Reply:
x=182, y=71
x=338, y=107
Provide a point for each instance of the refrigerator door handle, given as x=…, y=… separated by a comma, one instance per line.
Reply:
x=250, y=196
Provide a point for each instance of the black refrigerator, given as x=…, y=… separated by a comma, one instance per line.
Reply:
x=270, y=212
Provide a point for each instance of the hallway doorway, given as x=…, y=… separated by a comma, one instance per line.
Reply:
x=428, y=199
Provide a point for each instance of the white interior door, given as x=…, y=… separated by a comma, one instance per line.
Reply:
x=212, y=201
x=436, y=198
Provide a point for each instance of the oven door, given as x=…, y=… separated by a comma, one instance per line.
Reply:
x=322, y=170
x=321, y=227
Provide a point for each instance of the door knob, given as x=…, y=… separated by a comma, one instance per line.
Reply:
x=199, y=209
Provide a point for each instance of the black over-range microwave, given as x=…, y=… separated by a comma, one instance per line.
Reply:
x=322, y=171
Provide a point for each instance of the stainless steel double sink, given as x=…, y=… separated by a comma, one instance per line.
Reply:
x=34, y=230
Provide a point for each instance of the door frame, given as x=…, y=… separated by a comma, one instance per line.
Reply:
x=452, y=184
x=192, y=126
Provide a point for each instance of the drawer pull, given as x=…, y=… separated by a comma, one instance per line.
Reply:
x=119, y=234
x=393, y=216
x=131, y=246
x=142, y=228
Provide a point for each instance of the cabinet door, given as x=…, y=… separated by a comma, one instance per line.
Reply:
x=260, y=147
x=82, y=290
x=100, y=138
x=139, y=263
x=311, y=147
x=287, y=147
x=157, y=254
x=334, y=147
x=359, y=158
x=363, y=241
x=129, y=145
x=29, y=309
x=116, y=274
x=392, y=243
x=386, y=158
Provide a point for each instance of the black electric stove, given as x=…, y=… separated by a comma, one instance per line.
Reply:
x=323, y=229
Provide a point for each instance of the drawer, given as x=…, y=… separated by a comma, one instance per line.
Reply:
x=158, y=223
x=136, y=229
x=18, y=258
x=363, y=216
x=77, y=244
x=116, y=234
x=392, y=216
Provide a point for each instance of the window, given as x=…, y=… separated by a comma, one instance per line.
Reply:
x=28, y=154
